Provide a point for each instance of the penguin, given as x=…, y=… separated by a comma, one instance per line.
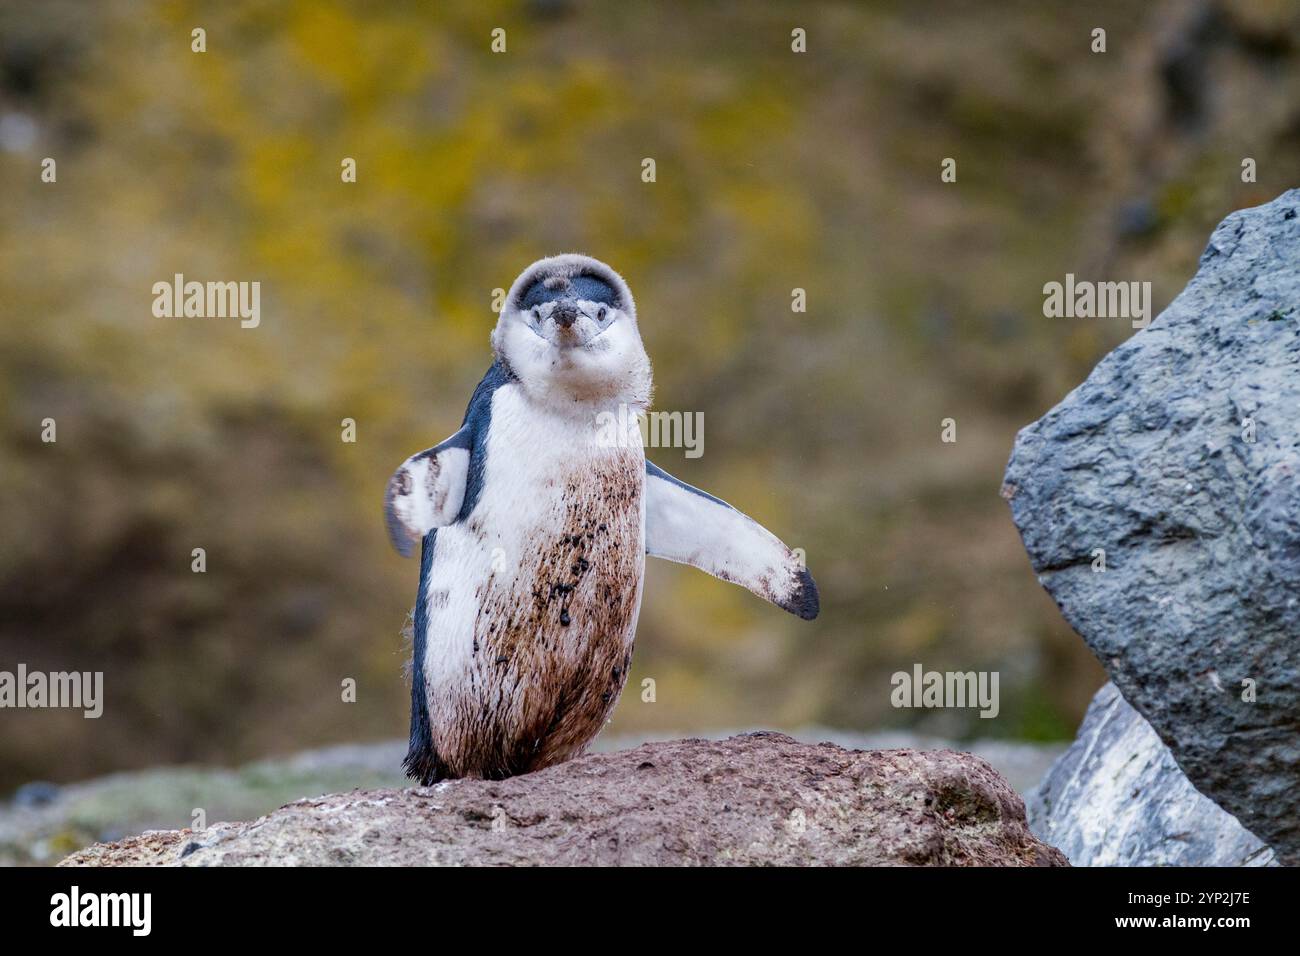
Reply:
x=534, y=526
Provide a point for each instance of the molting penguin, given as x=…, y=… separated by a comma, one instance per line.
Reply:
x=535, y=527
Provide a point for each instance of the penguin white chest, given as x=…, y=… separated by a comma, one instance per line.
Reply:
x=534, y=595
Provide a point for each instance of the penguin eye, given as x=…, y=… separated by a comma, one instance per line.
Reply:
x=601, y=313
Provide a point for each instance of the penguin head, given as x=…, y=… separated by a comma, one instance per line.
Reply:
x=568, y=331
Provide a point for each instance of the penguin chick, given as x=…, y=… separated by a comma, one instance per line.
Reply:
x=534, y=528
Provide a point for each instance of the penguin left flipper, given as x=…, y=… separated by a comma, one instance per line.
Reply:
x=427, y=491
x=689, y=526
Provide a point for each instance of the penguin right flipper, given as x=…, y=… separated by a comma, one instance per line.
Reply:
x=690, y=526
x=427, y=491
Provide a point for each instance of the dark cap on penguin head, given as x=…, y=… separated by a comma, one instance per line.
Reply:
x=565, y=291
x=568, y=279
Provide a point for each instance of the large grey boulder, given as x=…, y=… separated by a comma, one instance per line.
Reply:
x=1117, y=798
x=752, y=799
x=1152, y=459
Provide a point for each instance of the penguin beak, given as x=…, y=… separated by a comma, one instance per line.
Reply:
x=565, y=313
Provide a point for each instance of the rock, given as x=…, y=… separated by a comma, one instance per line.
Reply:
x=758, y=798
x=1117, y=798
x=1021, y=763
x=38, y=793
x=45, y=825
x=1149, y=460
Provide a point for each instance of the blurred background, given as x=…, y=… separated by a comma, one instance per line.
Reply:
x=775, y=170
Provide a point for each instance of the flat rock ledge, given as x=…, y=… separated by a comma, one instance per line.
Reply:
x=753, y=799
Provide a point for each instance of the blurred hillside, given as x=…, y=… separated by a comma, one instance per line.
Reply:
x=774, y=171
